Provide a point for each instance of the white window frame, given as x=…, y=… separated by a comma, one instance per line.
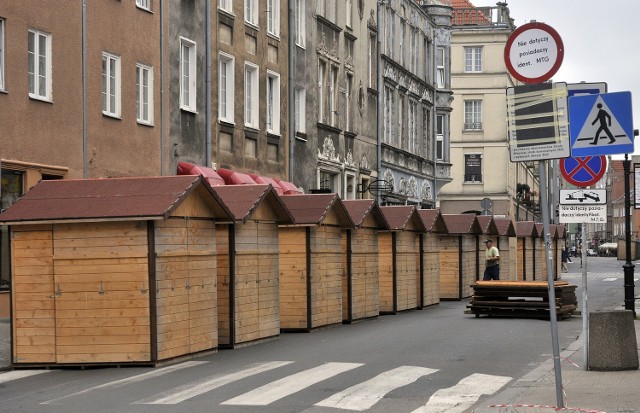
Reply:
x=110, y=89
x=328, y=9
x=300, y=104
x=348, y=13
x=334, y=176
x=300, y=28
x=440, y=132
x=2, y=24
x=473, y=59
x=251, y=12
x=473, y=114
x=348, y=91
x=144, y=4
x=333, y=95
x=226, y=5
x=226, y=87
x=144, y=94
x=441, y=73
x=273, y=17
x=188, y=80
x=37, y=75
x=390, y=33
x=322, y=69
x=251, y=95
x=273, y=102
x=413, y=59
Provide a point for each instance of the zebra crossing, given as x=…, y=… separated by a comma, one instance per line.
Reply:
x=281, y=382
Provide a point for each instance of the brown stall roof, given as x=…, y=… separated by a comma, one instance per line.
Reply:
x=487, y=224
x=359, y=209
x=462, y=224
x=399, y=217
x=540, y=230
x=505, y=227
x=313, y=209
x=526, y=229
x=562, y=231
x=242, y=200
x=109, y=199
x=432, y=220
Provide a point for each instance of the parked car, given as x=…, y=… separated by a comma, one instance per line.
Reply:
x=591, y=253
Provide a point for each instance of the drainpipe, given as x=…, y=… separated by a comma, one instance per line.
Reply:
x=207, y=55
x=292, y=109
x=380, y=88
x=84, y=89
x=162, y=96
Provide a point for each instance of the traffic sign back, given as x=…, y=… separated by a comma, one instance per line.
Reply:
x=583, y=171
x=601, y=124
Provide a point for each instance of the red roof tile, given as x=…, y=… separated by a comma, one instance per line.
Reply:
x=505, y=227
x=398, y=217
x=465, y=13
x=107, y=199
x=242, y=200
x=312, y=209
x=487, y=224
x=359, y=209
x=526, y=229
x=432, y=220
x=462, y=224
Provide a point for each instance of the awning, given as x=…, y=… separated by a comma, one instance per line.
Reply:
x=288, y=188
x=267, y=181
x=209, y=174
x=235, y=178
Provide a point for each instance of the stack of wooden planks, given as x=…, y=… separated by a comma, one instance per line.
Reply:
x=521, y=299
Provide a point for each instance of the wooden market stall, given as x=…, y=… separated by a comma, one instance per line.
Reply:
x=248, y=253
x=400, y=257
x=526, y=233
x=360, y=284
x=561, y=243
x=311, y=267
x=430, y=261
x=540, y=256
x=489, y=231
x=459, y=265
x=114, y=270
x=506, y=244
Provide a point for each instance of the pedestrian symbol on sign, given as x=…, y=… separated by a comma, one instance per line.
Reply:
x=605, y=121
x=601, y=123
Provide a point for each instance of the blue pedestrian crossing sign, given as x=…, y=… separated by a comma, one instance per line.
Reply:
x=601, y=124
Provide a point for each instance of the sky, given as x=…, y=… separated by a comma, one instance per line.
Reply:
x=601, y=41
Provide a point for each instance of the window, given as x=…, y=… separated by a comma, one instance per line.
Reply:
x=333, y=96
x=372, y=61
x=273, y=17
x=390, y=34
x=347, y=102
x=403, y=33
x=426, y=142
x=250, y=147
x=272, y=152
x=327, y=9
x=273, y=103
x=322, y=68
x=300, y=103
x=350, y=187
x=440, y=137
x=472, y=168
x=1, y=54
x=440, y=72
x=144, y=4
x=110, y=84
x=299, y=22
x=349, y=45
x=473, y=115
x=349, y=12
x=401, y=137
x=251, y=95
x=251, y=12
x=187, y=75
x=11, y=187
x=144, y=93
x=226, y=91
x=329, y=181
x=413, y=63
x=388, y=115
x=473, y=59
x=413, y=127
x=226, y=5
x=39, y=65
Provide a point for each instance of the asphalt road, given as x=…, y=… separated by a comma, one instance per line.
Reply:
x=438, y=356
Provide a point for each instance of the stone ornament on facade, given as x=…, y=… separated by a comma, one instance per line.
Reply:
x=412, y=188
x=443, y=37
x=402, y=190
x=328, y=151
x=426, y=191
x=364, y=162
x=388, y=176
x=371, y=23
x=348, y=159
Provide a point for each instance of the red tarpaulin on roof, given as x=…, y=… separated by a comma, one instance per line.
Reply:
x=288, y=188
x=267, y=181
x=209, y=174
x=235, y=178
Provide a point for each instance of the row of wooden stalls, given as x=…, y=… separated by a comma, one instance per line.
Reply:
x=146, y=270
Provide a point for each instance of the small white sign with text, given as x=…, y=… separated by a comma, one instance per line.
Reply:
x=578, y=214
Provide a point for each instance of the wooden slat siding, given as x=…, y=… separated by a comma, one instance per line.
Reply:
x=197, y=204
x=32, y=277
x=431, y=271
x=541, y=260
x=224, y=285
x=449, y=267
x=347, y=278
x=326, y=276
x=526, y=259
x=365, y=281
x=386, y=271
x=408, y=271
x=469, y=256
x=86, y=338
x=505, y=260
x=268, y=280
x=292, y=278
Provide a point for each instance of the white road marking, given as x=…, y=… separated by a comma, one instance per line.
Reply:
x=364, y=395
x=463, y=395
x=129, y=380
x=610, y=279
x=286, y=386
x=20, y=374
x=197, y=388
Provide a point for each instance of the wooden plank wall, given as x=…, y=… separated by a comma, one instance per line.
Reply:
x=293, y=277
x=187, y=286
x=469, y=254
x=408, y=269
x=222, y=270
x=365, y=283
x=431, y=272
x=527, y=262
x=102, y=301
x=448, y=258
x=326, y=276
x=505, y=260
x=385, y=266
x=32, y=295
x=541, y=260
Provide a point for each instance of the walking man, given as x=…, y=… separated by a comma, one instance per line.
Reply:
x=605, y=122
x=492, y=256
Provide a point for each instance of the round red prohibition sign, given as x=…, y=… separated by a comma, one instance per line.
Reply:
x=583, y=171
x=534, y=52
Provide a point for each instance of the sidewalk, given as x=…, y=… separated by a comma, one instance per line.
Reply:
x=585, y=391
x=5, y=343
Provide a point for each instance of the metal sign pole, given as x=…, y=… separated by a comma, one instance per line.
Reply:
x=542, y=165
x=585, y=310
